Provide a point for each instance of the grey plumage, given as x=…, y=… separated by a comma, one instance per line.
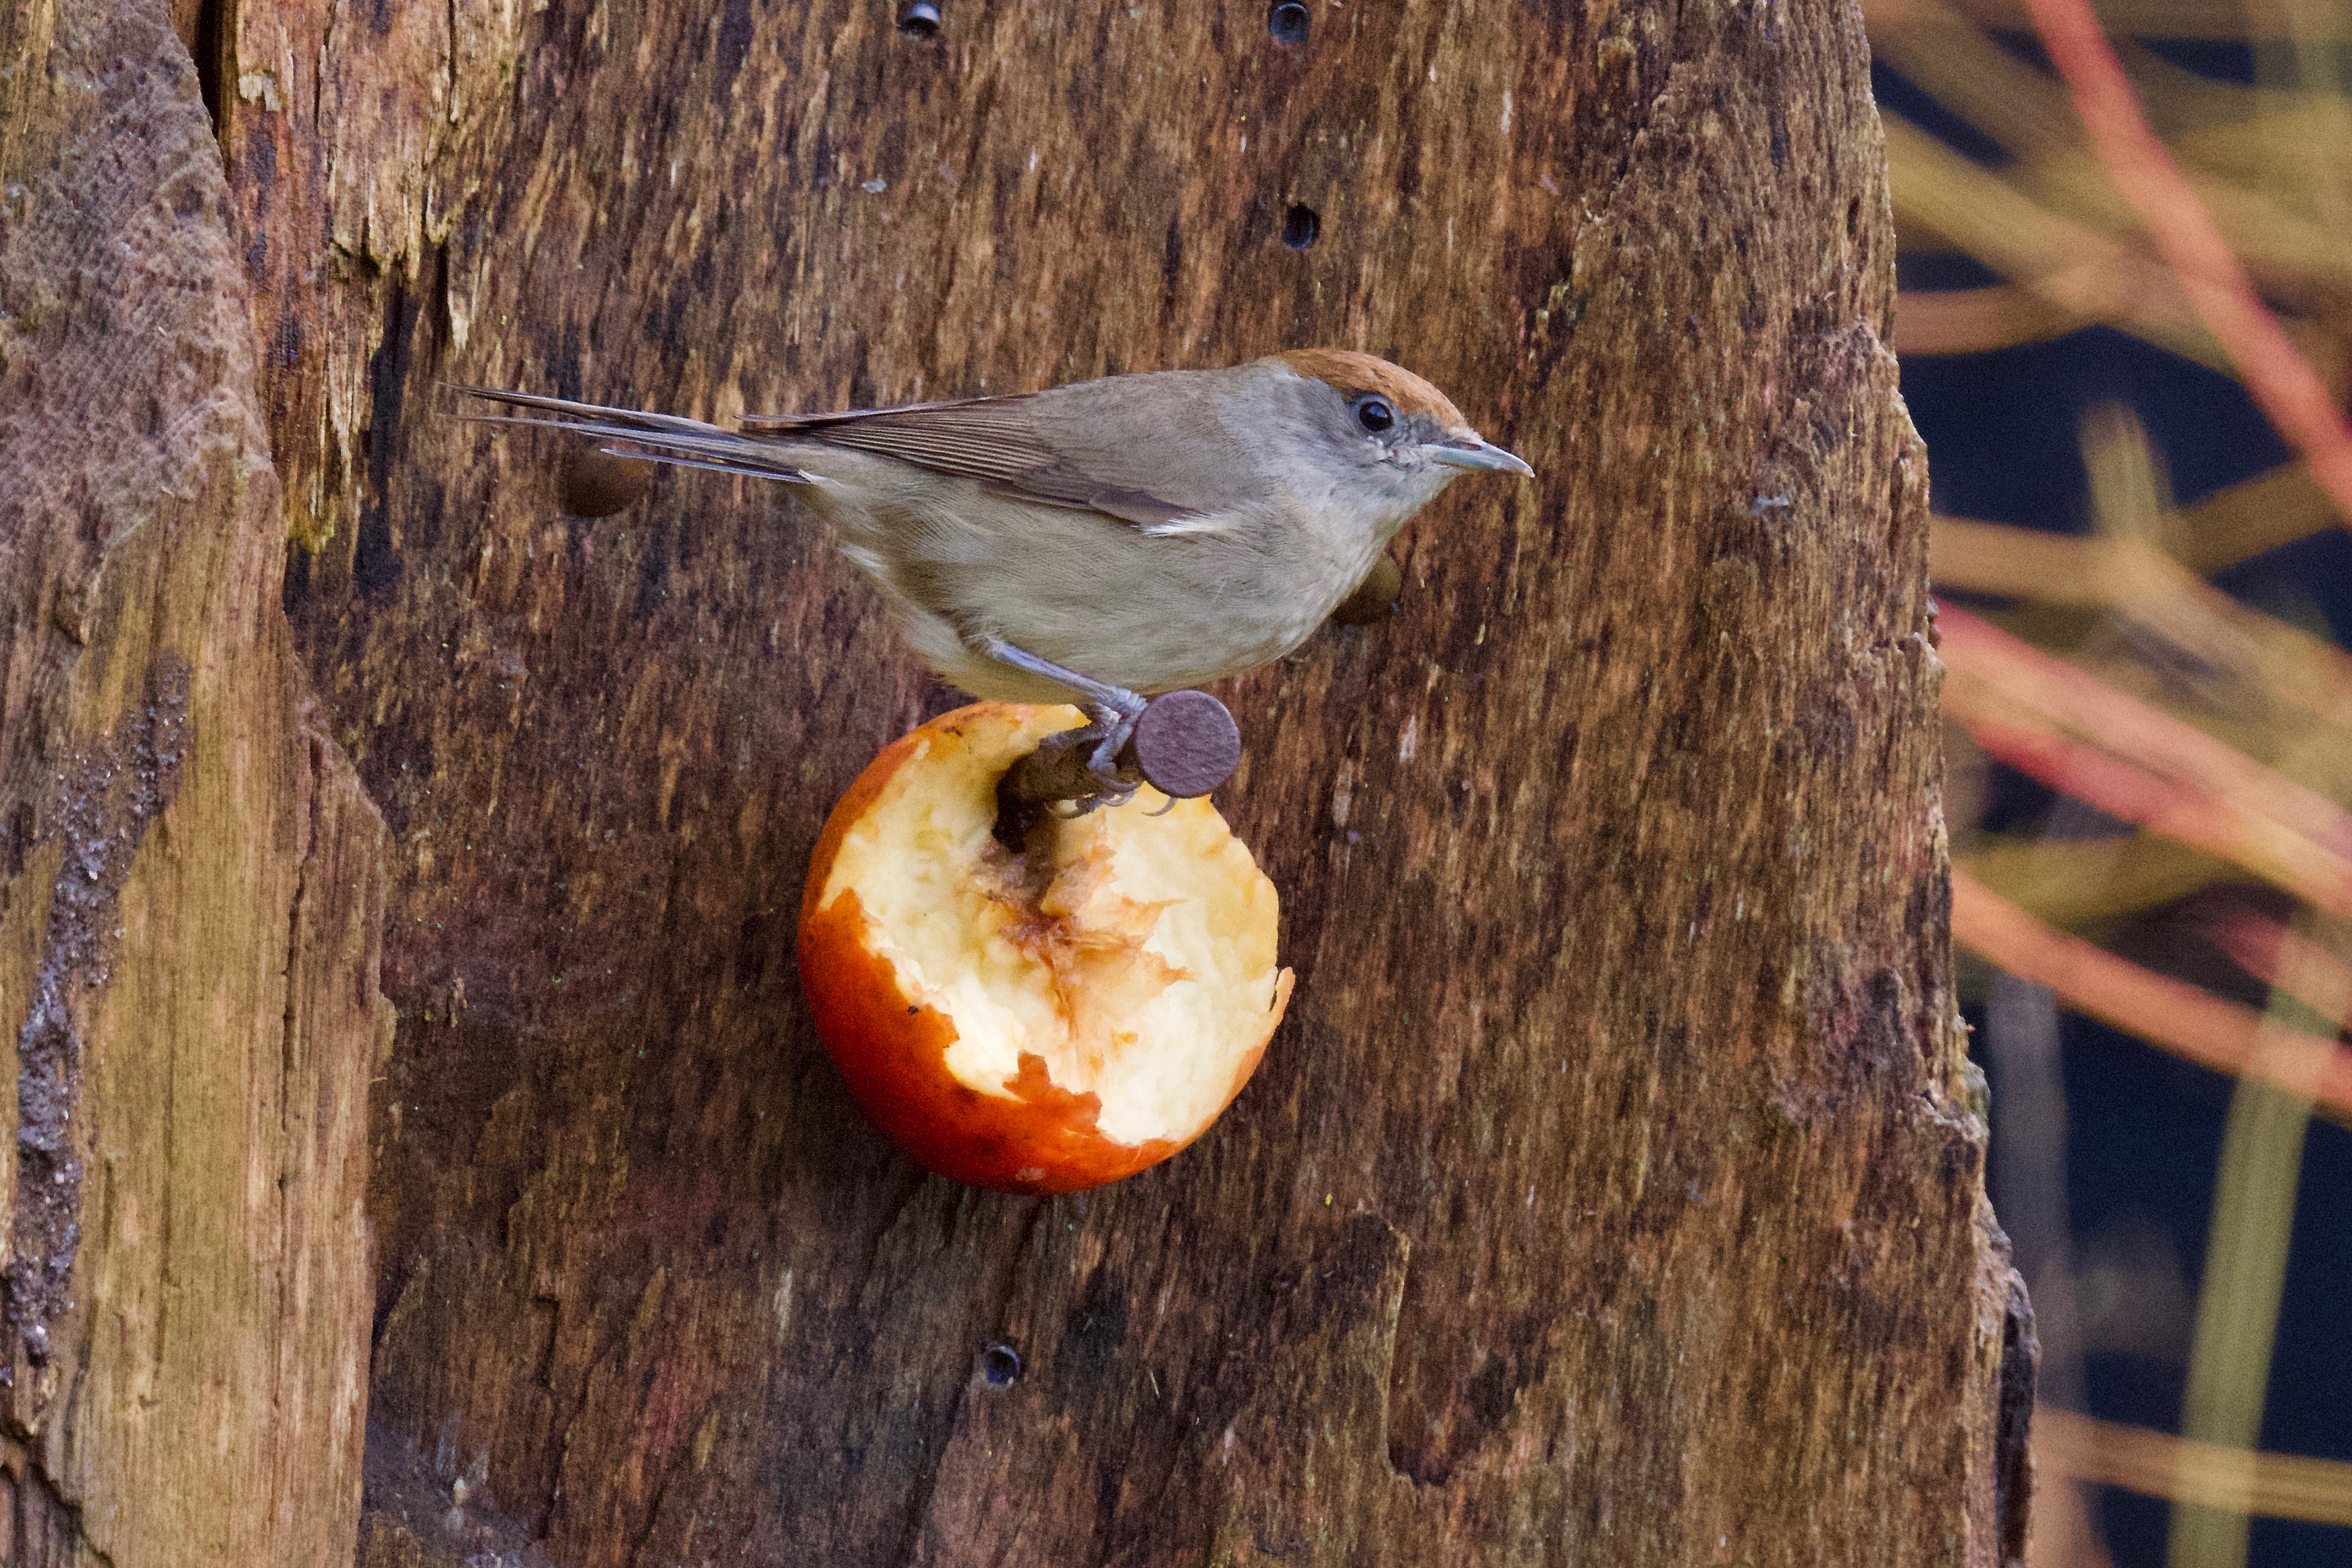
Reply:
x=1149, y=531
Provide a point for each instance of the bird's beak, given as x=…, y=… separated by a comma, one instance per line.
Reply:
x=1470, y=452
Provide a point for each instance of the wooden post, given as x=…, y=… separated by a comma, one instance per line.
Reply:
x=1612, y=1193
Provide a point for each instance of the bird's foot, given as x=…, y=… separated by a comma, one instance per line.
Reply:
x=1077, y=771
x=1107, y=765
x=1111, y=712
x=1069, y=774
x=1183, y=744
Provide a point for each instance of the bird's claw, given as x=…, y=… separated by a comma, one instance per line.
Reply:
x=1111, y=712
x=1110, y=730
x=1185, y=744
x=1069, y=774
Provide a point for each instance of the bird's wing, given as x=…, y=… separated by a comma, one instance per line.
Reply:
x=1026, y=446
x=1142, y=449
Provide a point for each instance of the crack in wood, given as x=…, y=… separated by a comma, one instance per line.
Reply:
x=45, y=1527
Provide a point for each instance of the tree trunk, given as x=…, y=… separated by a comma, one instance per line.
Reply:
x=1612, y=1193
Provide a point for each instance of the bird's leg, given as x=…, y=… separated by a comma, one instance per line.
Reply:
x=1112, y=711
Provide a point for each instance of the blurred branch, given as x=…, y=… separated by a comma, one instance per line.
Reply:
x=2229, y=526
x=2026, y=1170
x=2169, y=1014
x=2228, y=134
x=2040, y=226
x=1974, y=321
x=2297, y=965
x=2080, y=881
x=2063, y=1533
x=1939, y=50
x=2133, y=760
x=2158, y=1464
x=2217, y=126
x=2201, y=819
x=2012, y=562
x=2274, y=690
x=2285, y=387
x=2176, y=708
x=2268, y=687
x=2253, y=1224
x=2296, y=260
x=2297, y=266
x=2076, y=270
x=2225, y=19
x=2251, y=516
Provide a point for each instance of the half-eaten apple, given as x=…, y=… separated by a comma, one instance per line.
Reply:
x=1041, y=1020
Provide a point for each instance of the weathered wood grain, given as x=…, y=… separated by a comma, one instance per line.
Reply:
x=338, y=124
x=1612, y=1194
x=191, y=882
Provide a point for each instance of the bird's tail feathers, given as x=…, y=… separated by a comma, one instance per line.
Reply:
x=626, y=433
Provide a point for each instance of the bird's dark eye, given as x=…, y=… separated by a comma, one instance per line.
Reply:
x=1375, y=414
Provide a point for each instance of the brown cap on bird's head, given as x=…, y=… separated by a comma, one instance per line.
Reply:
x=1356, y=374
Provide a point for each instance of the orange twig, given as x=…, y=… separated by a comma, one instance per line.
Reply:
x=2158, y=1464
x=2076, y=733
x=2189, y=815
x=2173, y=1015
x=2290, y=393
x=2283, y=961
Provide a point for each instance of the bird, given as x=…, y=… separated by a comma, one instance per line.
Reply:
x=1106, y=539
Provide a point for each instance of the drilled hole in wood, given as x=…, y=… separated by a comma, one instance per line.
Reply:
x=1300, y=226
x=1001, y=1365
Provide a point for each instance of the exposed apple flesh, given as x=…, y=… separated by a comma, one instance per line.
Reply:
x=1037, y=1022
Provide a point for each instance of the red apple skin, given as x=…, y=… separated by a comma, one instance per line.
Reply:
x=894, y=1055
x=892, y=1050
